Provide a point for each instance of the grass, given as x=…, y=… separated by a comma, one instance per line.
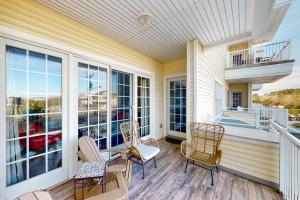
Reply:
x=297, y=125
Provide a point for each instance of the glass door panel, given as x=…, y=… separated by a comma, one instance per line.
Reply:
x=121, y=104
x=177, y=107
x=33, y=114
x=92, y=103
x=236, y=99
x=143, y=105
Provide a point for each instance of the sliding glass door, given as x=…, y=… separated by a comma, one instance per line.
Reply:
x=143, y=105
x=121, y=104
x=92, y=102
x=34, y=115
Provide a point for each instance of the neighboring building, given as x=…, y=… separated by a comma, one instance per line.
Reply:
x=71, y=68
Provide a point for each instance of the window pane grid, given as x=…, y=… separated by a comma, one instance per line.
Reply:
x=92, y=103
x=143, y=106
x=121, y=104
x=177, y=95
x=27, y=114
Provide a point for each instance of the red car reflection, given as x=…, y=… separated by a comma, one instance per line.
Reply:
x=38, y=142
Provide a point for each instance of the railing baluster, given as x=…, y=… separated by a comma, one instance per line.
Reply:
x=267, y=53
x=289, y=163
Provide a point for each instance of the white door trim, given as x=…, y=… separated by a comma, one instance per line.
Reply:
x=2, y=120
x=49, y=178
x=167, y=80
x=150, y=77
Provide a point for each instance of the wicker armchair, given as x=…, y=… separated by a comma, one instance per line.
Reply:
x=204, y=147
x=140, y=151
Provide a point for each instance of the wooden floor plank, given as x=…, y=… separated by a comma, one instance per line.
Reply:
x=169, y=182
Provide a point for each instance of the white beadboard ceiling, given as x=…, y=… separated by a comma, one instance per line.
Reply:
x=212, y=22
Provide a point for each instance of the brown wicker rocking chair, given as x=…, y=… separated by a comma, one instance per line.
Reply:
x=204, y=147
x=140, y=151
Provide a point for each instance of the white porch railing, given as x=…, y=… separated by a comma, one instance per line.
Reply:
x=260, y=116
x=289, y=163
x=262, y=54
x=264, y=115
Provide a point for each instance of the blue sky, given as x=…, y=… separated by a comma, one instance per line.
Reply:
x=289, y=29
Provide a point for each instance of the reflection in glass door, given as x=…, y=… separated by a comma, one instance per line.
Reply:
x=177, y=107
x=33, y=114
x=92, y=103
x=143, y=105
x=121, y=104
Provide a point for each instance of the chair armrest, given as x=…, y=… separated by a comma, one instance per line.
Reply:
x=116, y=168
x=185, y=147
x=219, y=156
x=150, y=141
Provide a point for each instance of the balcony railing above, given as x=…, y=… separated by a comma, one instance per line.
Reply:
x=270, y=53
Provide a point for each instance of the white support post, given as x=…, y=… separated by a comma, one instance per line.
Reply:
x=249, y=95
x=192, y=62
x=189, y=88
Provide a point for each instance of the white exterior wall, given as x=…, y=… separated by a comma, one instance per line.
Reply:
x=210, y=68
x=203, y=69
x=190, y=93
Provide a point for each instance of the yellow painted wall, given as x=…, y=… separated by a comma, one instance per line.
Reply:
x=34, y=18
x=240, y=87
x=253, y=159
x=237, y=47
x=175, y=67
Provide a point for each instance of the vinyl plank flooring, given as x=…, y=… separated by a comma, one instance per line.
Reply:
x=169, y=182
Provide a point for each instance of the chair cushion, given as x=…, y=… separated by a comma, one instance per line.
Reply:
x=146, y=151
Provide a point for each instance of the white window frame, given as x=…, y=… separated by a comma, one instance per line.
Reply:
x=77, y=60
x=219, y=88
x=167, y=106
x=137, y=74
x=52, y=177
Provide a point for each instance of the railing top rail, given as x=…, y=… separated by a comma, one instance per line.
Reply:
x=285, y=132
x=258, y=47
x=274, y=43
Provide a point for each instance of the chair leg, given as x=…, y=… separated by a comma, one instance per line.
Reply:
x=217, y=169
x=187, y=162
x=212, y=176
x=154, y=162
x=143, y=171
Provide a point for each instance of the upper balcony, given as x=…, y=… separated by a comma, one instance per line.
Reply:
x=260, y=64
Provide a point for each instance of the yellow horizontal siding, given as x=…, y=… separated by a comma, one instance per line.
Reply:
x=253, y=159
x=177, y=67
x=248, y=147
x=35, y=18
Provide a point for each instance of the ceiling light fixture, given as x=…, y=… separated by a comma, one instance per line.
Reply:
x=145, y=19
